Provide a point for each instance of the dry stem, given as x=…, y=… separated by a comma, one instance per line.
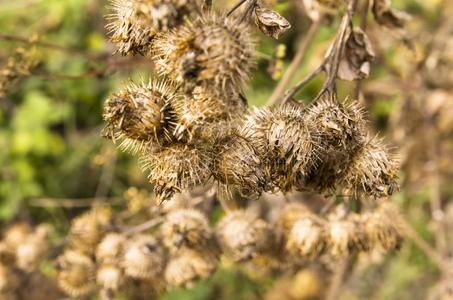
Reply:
x=144, y=226
x=429, y=251
x=363, y=25
x=338, y=278
x=276, y=96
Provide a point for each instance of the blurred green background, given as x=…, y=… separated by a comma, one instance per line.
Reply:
x=60, y=68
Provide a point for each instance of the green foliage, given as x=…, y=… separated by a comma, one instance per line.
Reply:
x=50, y=129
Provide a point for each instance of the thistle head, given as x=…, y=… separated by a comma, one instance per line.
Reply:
x=143, y=257
x=188, y=266
x=134, y=23
x=76, y=273
x=88, y=229
x=285, y=139
x=140, y=115
x=186, y=228
x=243, y=235
x=306, y=238
x=238, y=167
x=213, y=51
x=176, y=168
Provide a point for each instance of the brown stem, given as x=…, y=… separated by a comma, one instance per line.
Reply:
x=438, y=215
x=144, y=226
x=239, y=4
x=31, y=41
x=339, y=277
x=363, y=25
x=72, y=203
x=334, y=57
x=429, y=251
x=227, y=204
x=276, y=96
x=292, y=91
x=336, y=51
x=107, y=176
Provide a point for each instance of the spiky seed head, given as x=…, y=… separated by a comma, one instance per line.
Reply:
x=76, y=273
x=286, y=139
x=239, y=167
x=134, y=23
x=383, y=227
x=341, y=135
x=16, y=234
x=186, y=228
x=189, y=266
x=372, y=171
x=202, y=114
x=31, y=253
x=176, y=168
x=290, y=213
x=214, y=51
x=110, y=277
x=242, y=235
x=143, y=257
x=110, y=248
x=88, y=229
x=360, y=241
x=344, y=237
x=140, y=115
x=306, y=238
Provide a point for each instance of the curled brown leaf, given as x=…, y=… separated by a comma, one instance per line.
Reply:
x=357, y=57
x=270, y=22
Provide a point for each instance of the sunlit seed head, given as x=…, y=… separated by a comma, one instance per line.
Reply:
x=31, y=253
x=88, y=229
x=134, y=23
x=213, y=51
x=239, y=167
x=285, y=139
x=76, y=273
x=177, y=168
x=16, y=234
x=186, y=228
x=290, y=213
x=188, y=266
x=373, y=171
x=140, y=115
x=341, y=134
x=143, y=257
x=243, y=235
x=110, y=277
x=110, y=248
x=204, y=114
x=306, y=238
x=383, y=227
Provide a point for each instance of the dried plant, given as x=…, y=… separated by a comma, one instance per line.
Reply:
x=192, y=130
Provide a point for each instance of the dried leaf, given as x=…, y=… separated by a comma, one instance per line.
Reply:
x=270, y=22
x=386, y=16
x=357, y=57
